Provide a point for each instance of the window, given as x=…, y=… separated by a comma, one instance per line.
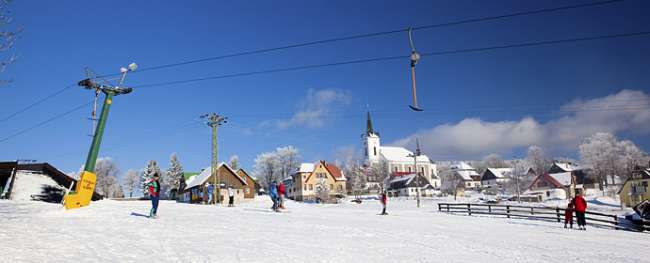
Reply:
x=311, y=187
x=409, y=169
x=237, y=191
x=375, y=150
x=305, y=188
x=340, y=188
x=247, y=190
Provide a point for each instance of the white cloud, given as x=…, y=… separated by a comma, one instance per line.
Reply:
x=314, y=109
x=626, y=110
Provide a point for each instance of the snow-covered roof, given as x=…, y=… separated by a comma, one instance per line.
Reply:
x=400, y=154
x=205, y=174
x=461, y=166
x=467, y=174
x=306, y=168
x=568, y=167
x=500, y=172
x=399, y=182
x=562, y=178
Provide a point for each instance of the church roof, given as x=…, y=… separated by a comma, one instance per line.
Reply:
x=369, y=129
x=400, y=154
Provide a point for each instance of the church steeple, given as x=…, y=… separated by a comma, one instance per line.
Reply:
x=369, y=129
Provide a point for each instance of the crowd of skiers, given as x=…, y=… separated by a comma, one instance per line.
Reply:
x=277, y=192
x=579, y=206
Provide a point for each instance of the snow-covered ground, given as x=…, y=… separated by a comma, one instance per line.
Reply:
x=118, y=231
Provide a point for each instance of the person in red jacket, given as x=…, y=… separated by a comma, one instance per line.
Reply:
x=568, y=215
x=383, y=198
x=282, y=190
x=154, y=193
x=580, y=207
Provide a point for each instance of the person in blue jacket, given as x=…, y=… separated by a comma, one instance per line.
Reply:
x=273, y=194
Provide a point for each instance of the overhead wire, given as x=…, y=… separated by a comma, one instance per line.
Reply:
x=387, y=58
x=374, y=34
x=324, y=41
x=58, y=116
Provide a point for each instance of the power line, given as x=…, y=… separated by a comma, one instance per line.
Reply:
x=375, y=34
x=303, y=44
x=61, y=115
x=37, y=103
x=378, y=59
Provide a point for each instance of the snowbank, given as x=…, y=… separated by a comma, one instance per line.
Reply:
x=29, y=185
x=114, y=231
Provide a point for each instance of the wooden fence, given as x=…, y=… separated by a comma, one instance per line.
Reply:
x=530, y=212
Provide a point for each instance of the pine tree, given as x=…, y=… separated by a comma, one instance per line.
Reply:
x=147, y=174
x=174, y=174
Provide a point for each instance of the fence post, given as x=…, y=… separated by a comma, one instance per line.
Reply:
x=508, y=211
x=490, y=209
x=557, y=212
x=531, y=211
x=469, y=209
x=615, y=220
x=439, y=207
x=447, y=208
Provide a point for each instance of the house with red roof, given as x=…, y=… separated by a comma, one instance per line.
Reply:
x=311, y=178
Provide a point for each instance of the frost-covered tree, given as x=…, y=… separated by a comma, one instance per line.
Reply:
x=494, y=161
x=131, y=181
x=519, y=179
x=147, y=174
x=379, y=172
x=288, y=160
x=356, y=179
x=606, y=156
x=174, y=174
x=322, y=191
x=537, y=159
x=8, y=36
x=234, y=162
x=276, y=165
x=265, y=168
x=630, y=157
x=106, y=170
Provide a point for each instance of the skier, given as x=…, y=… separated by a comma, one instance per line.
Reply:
x=281, y=192
x=581, y=206
x=154, y=193
x=568, y=215
x=273, y=194
x=231, y=196
x=210, y=193
x=383, y=198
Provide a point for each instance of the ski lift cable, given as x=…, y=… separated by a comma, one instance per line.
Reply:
x=58, y=116
x=359, y=36
x=388, y=58
x=374, y=34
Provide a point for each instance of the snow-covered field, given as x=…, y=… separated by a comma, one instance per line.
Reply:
x=118, y=231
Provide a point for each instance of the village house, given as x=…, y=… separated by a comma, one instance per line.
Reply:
x=467, y=175
x=560, y=182
x=35, y=182
x=635, y=188
x=407, y=186
x=303, y=184
x=196, y=185
x=250, y=190
x=397, y=160
x=495, y=177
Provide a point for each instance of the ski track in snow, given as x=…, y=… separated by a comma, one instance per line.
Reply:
x=119, y=231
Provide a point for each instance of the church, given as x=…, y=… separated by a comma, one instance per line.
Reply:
x=399, y=160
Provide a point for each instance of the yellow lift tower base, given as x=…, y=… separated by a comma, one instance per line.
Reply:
x=83, y=192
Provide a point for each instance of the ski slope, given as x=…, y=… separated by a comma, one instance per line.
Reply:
x=118, y=231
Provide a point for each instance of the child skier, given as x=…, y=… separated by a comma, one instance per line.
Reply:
x=568, y=215
x=383, y=198
x=154, y=193
x=281, y=192
x=580, y=206
x=231, y=197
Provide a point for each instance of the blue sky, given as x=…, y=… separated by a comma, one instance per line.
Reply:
x=470, y=94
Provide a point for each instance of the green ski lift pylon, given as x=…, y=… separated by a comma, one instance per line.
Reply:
x=85, y=186
x=415, y=57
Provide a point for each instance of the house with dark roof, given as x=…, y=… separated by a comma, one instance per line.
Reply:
x=635, y=189
x=495, y=177
x=35, y=181
x=560, y=185
x=196, y=185
x=408, y=185
x=304, y=182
